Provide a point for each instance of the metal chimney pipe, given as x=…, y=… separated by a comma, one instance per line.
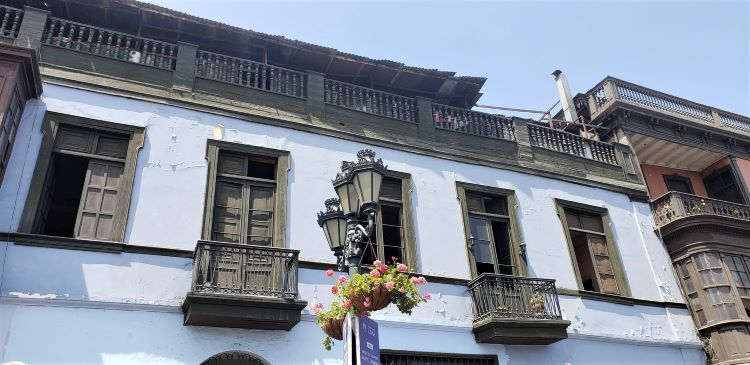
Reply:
x=566, y=98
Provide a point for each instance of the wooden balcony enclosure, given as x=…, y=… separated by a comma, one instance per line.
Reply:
x=243, y=286
x=515, y=310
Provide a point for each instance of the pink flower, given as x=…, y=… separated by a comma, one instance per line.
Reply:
x=361, y=313
x=394, y=259
x=402, y=290
x=422, y=280
x=318, y=305
x=329, y=273
x=383, y=268
x=342, y=279
x=317, y=308
x=375, y=273
x=402, y=267
x=334, y=289
x=427, y=296
x=377, y=263
x=347, y=304
x=414, y=280
x=389, y=285
x=367, y=302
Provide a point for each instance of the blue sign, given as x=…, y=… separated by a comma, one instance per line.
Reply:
x=369, y=345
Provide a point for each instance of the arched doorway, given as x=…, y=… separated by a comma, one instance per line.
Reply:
x=234, y=358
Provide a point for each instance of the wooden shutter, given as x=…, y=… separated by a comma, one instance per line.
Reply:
x=227, y=223
x=96, y=212
x=40, y=223
x=602, y=264
x=260, y=215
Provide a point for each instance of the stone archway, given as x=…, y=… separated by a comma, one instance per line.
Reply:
x=234, y=358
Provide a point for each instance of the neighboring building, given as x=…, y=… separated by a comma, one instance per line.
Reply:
x=695, y=161
x=159, y=198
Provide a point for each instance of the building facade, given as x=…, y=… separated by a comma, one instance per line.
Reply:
x=695, y=161
x=163, y=173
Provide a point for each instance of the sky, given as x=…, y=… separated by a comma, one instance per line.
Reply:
x=697, y=50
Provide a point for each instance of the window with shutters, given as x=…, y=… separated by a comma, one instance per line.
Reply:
x=393, y=233
x=9, y=129
x=689, y=285
x=245, y=201
x=492, y=239
x=81, y=185
x=595, y=258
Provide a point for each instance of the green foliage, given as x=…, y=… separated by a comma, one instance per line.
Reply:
x=403, y=290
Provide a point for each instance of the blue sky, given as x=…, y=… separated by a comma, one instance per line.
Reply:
x=698, y=50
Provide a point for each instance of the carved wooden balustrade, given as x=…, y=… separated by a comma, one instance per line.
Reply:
x=108, y=43
x=472, y=122
x=674, y=206
x=570, y=143
x=612, y=90
x=506, y=296
x=226, y=268
x=370, y=100
x=11, y=21
x=249, y=73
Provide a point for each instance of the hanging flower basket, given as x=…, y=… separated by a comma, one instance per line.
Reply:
x=333, y=327
x=364, y=293
x=377, y=299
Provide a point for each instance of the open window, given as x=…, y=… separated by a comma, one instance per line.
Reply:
x=491, y=232
x=393, y=233
x=594, y=257
x=83, y=179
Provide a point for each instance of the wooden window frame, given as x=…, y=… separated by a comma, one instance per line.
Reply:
x=680, y=178
x=408, y=235
x=514, y=235
x=612, y=247
x=283, y=165
x=50, y=128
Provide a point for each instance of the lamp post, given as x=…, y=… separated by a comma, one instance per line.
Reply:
x=358, y=188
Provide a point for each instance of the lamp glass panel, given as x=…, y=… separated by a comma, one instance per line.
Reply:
x=335, y=231
x=368, y=183
x=348, y=197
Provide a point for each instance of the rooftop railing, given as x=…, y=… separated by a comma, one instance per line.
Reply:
x=108, y=43
x=371, y=101
x=560, y=141
x=611, y=90
x=472, y=122
x=249, y=73
x=11, y=21
x=674, y=206
x=507, y=297
x=226, y=268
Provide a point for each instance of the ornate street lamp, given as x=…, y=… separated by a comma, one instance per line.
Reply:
x=358, y=187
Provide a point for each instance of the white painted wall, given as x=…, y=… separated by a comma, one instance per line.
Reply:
x=166, y=211
x=41, y=335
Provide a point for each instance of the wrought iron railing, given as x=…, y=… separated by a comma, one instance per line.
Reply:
x=11, y=21
x=371, y=101
x=570, y=143
x=471, y=122
x=611, y=90
x=508, y=297
x=674, y=206
x=109, y=43
x=249, y=73
x=227, y=268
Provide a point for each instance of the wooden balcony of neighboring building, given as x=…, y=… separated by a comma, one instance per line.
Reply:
x=243, y=286
x=516, y=310
x=674, y=207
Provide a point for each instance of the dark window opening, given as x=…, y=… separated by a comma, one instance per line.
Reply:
x=66, y=182
x=678, y=184
x=262, y=168
x=387, y=238
x=722, y=185
x=502, y=248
